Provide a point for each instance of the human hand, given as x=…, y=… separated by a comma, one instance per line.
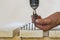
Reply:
x=48, y=22
x=38, y=17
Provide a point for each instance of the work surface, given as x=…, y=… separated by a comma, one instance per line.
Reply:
x=28, y=33
x=9, y=30
x=38, y=35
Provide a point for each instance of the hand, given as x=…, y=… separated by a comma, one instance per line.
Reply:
x=48, y=22
x=38, y=17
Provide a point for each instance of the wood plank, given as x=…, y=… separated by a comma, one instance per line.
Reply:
x=52, y=34
x=31, y=33
x=32, y=38
x=47, y=38
x=6, y=34
x=57, y=34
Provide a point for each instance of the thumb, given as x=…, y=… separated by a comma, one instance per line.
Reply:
x=43, y=21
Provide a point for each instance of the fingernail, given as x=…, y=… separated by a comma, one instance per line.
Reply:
x=37, y=21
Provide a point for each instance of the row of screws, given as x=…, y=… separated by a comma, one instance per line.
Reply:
x=29, y=26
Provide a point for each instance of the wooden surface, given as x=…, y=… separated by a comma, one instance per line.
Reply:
x=45, y=38
x=31, y=33
x=54, y=33
x=6, y=34
x=39, y=33
x=27, y=35
x=18, y=38
x=9, y=33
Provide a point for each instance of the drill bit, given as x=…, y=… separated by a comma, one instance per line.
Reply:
x=35, y=17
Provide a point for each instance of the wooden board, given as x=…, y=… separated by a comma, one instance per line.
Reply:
x=31, y=33
x=54, y=33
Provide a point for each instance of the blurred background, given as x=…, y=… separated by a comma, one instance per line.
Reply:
x=19, y=11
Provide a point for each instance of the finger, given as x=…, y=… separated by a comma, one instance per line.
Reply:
x=43, y=21
x=32, y=19
x=38, y=17
x=44, y=27
x=39, y=26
